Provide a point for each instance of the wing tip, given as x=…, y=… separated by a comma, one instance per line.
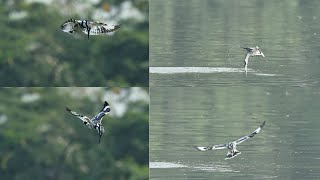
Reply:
x=262, y=125
x=67, y=109
x=200, y=148
x=106, y=107
x=196, y=147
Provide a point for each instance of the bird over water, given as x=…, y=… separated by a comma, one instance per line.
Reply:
x=252, y=51
x=231, y=146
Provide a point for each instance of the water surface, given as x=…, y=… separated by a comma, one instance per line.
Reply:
x=287, y=147
x=211, y=33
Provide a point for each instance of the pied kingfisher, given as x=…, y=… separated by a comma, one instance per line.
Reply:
x=252, y=51
x=233, y=152
x=87, y=27
x=95, y=122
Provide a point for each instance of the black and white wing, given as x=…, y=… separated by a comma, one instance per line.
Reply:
x=83, y=118
x=106, y=108
x=69, y=26
x=252, y=134
x=214, y=147
x=249, y=49
x=97, y=28
x=104, y=111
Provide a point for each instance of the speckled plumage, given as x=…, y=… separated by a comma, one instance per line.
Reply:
x=87, y=27
x=95, y=122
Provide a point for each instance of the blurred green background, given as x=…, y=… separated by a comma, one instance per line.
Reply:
x=40, y=140
x=35, y=52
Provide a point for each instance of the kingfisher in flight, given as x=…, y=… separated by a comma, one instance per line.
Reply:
x=72, y=26
x=95, y=122
x=231, y=146
x=252, y=51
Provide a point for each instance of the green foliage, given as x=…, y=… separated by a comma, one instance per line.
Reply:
x=35, y=52
x=40, y=140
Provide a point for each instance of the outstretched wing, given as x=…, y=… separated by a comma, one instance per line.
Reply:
x=104, y=111
x=68, y=26
x=83, y=118
x=106, y=108
x=97, y=28
x=214, y=147
x=252, y=134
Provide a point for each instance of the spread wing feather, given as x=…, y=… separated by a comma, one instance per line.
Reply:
x=249, y=49
x=214, y=147
x=224, y=146
x=242, y=139
x=98, y=28
x=69, y=26
x=83, y=118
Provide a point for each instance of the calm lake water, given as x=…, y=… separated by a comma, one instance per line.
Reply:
x=287, y=148
x=195, y=46
x=210, y=34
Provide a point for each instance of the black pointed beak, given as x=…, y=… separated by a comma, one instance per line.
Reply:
x=100, y=134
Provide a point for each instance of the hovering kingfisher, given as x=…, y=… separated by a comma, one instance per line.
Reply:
x=252, y=51
x=95, y=122
x=233, y=152
x=87, y=27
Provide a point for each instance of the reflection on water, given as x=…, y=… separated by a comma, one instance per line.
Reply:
x=212, y=33
x=177, y=70
x=287, y=147
x=165, y=165
x=212, y=167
